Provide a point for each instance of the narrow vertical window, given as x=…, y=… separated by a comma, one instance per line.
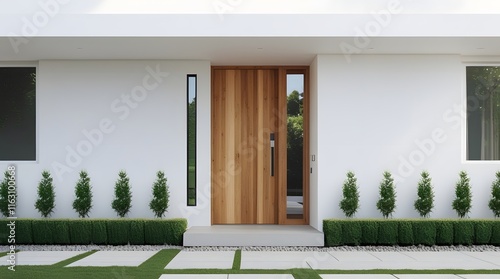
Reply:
x=191, y=140
x=18, y=114
x=295, y=145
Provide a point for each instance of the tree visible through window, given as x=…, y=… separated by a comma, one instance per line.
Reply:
x=483, y=113
x=17, y=114
x=191, y=140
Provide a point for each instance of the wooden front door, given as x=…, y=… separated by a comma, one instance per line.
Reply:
x=245, y=166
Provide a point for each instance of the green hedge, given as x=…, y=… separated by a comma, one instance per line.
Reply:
x=495, y=233
x=4, y=232
x=405, y=233
x=369, y=232
x=388, y=233
x=61, y=227
x=158, y=232
x=136, y=231
x=95, y=231
x=99, y=232
x=118, y=231
x=80, y=232
x=351, y=233
x=43, y=231
x=411, y=232
x=424, y=232
x=463, y=232
x=444, y=232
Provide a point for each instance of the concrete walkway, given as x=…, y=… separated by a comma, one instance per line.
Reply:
x=320, y=261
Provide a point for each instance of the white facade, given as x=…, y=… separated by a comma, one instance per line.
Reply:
x=386, y=85
x=106, y=116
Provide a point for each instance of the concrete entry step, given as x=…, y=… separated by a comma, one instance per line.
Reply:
x=253, y=235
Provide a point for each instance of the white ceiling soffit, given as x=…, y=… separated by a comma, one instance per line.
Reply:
x=242, y=51
x=253, y=6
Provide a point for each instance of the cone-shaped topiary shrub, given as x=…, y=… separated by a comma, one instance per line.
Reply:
x=350, y=202
x=4, y=195
x=159, y=203
x=387, y=202
x=425, y=192
x=494, y=203
x=463, y=196
x=123, y=196
x=83, y=192
x=46, y=197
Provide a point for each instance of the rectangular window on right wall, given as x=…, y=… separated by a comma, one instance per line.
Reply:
x=483, y=113
x=17, y=114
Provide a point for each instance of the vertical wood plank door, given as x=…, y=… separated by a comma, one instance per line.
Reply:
x=244, y=115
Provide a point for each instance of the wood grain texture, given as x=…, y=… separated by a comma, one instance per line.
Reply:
x=248, y=104
x=243, y=190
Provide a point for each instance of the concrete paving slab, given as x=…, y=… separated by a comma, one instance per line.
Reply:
x=488, y=256
x=114, y=258
x=193, y=276
x=357, y=276
x=427, y=276
x=358, y=256
x=480, y=276
x=279, y=259
x=260, y=276
x=41, y=257
x=391, y=256
x=202, y=259
x=451, y=256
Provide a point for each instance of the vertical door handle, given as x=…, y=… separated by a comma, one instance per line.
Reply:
x=272, y=153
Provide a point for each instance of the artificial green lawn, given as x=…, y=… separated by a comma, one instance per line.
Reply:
x=154, y=267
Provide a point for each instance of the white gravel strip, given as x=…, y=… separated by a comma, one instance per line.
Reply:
x=421, y=248
x=91, y=247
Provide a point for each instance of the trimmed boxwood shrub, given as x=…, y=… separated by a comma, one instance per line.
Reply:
x=24, y=232
x=99, y=232
x=175, y=231
x=4, y=232
x=80, y=231
x=136, y=232
x=388, y=232
x=369, y=232
x=153, y=232
x=411, y=232
x=463, y=232
x=333, y=232
x=482, y=232
x=60, y=229
x=158, y=232
x=42, y=232
x=424, y=232
x=405, y=233
x=495, y=234
x=118, y=232
x=444, y=232
x=351, y=232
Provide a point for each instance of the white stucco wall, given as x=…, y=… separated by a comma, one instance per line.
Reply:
x=370, y=114
x=372, y=111
x=141, y=135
